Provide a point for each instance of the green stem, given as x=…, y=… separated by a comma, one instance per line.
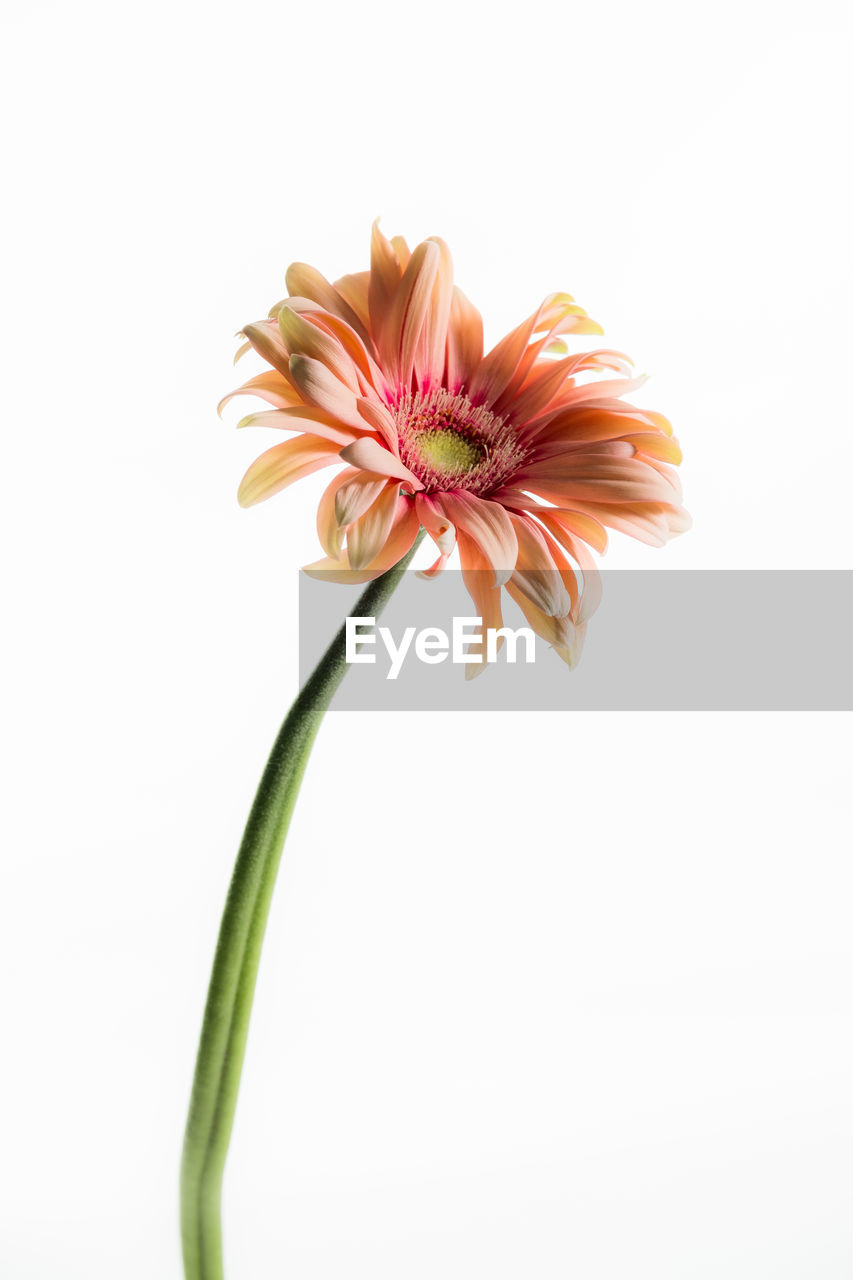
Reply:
x=238, y=949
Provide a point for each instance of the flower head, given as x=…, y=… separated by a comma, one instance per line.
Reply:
x=517, y=457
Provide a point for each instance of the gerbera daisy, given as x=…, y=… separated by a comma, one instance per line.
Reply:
x=516, y=457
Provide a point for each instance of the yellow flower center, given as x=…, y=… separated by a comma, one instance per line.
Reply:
x=448, y=450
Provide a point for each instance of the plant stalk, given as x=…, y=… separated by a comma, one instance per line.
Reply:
x=225, y=1025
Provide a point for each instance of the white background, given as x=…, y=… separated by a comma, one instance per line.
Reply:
x=551, y=996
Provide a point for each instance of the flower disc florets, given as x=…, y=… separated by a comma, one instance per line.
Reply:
x=449, y=443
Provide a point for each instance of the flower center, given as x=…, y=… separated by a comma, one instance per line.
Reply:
x=449, y=443
x=448, y=449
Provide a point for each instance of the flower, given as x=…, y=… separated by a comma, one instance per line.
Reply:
x=513, y=457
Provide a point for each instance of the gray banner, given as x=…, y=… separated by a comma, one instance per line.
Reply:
x=712, y=640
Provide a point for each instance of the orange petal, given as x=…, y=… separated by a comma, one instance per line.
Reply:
x=589, y=423
x=385, y=275
x=595, y=479
x=645, y=521
x=306, y=282
x=283, y=464
x=379, y=418
x=402, y=250
x=321, y=388
x=355, y=495
x=606, y=389
x=554, y=631
x=402, y=535
x=538, y=391
x=266, y=340
x=301, y=337
x=654, y=444
x=368, y=535
x=478, y=579
x=590, y=596
x=536, y=574
x=488, y=527
x=409, y=311
x=269, y=386
x=329, y=532
x=464, y=342
x=571, y=654
x=431, y=350
x=370, y=455
x=506, y=365
x=577, y=522
x=354, y=290
x=318, y=423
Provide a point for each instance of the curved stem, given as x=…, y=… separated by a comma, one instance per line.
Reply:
x=235, y=965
